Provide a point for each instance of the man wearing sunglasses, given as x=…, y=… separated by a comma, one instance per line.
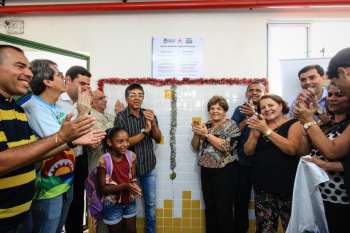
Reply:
x=142, y=126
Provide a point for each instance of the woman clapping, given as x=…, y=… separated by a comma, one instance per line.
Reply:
x=276, y=143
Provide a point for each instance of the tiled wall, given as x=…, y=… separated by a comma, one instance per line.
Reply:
x=192, y=219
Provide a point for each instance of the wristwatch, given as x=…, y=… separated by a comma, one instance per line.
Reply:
x=71, y=145
x=307, y=125
x=143, y=131
x=268, y=132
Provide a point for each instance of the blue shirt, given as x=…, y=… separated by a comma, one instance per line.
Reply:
x=322, y=104
x=55, y=175
x=243, y=159
x=44, y=118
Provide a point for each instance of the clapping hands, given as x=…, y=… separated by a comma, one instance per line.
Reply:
x=84, y=102
x=258, y=122
x=248, y=109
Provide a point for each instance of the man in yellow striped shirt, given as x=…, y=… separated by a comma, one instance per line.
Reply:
x=19, y=147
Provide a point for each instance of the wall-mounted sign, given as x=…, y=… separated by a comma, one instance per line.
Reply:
x=177, y=57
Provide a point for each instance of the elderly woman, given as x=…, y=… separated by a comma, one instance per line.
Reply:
x=275, y=142
x=216, y=142
x=335, y=199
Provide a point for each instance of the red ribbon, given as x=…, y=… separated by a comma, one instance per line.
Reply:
x=173, y=81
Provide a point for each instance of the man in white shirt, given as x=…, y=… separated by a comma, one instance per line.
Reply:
x=77, y=84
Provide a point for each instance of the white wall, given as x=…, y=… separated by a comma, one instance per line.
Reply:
x=120, y=44
x=235, y=42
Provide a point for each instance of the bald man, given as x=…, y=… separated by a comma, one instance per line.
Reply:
x=104, y=121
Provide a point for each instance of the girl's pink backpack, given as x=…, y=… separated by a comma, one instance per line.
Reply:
x=95, y=204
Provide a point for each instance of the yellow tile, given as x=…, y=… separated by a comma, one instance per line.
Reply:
x=168, y=94
x=251, y=205
x=202, y=214
x=168, y=230
x=160, y=221
x=168, y=213
x=187, y=230
x=186, y=204
x=162, y=140
x=196, y=222
x=177, y=222
x=196, y=204
x=168, y=222
x=160, y=229
x=186, y=195
x=140, y=221
x=196, y=230
x=196, y=213
x=186, y=213
x=140, y=229
x=177, y=230
x=168, y=204
x=186, y=222
x=159, y=213
x=252, y=226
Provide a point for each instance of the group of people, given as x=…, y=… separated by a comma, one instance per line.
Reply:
x=53, y=140
x=261, y=146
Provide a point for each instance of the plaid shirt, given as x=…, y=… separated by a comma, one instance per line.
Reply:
x=146, y=159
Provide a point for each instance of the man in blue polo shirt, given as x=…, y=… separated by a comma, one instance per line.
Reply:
x=254, y=91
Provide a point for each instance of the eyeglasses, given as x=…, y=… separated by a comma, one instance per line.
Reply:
x=134, y=95
x=60, y=74
x=336, y=94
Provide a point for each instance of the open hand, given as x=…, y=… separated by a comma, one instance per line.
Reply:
x=119, y=106
x=93, y=138
x=71, y=130
x=84, y=103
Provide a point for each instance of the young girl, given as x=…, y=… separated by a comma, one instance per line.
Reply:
x=120, y=188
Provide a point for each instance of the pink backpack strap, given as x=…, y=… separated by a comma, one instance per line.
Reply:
x=109, y=164
x=128, y=155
